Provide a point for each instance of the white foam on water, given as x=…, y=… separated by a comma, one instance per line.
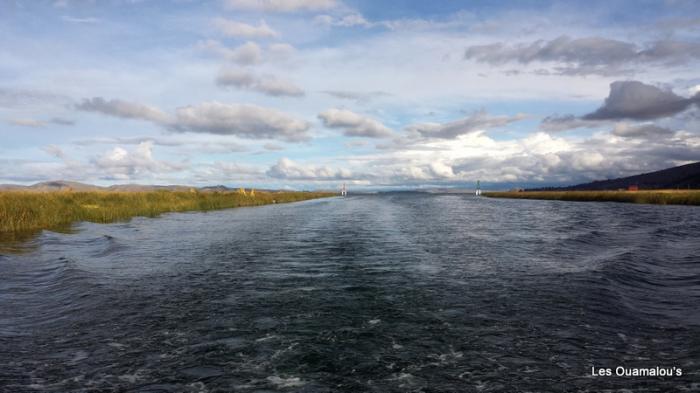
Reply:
x=116, y=345
x=266, y=338
x=285, y=382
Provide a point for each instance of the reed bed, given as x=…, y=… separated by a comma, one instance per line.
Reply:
x=657, y=197
x=26, y=210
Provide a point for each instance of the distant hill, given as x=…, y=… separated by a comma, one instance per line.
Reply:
x=684, y=176
x=64, y=185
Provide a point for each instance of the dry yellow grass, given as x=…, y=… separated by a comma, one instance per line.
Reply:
x=26, y=211
x=658, y=197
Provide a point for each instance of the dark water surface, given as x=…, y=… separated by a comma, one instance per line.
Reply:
x=386, y=293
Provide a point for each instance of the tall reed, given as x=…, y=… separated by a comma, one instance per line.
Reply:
x=659, y=197
x=27, y=210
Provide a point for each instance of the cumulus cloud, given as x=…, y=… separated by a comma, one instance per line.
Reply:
x=476, y=122
x=353, y=124
x=639, y=101
x=289, y=170
x=282, y=5
x=246, y=121
x=122, y=164
x=238, y=29
x=589, y=55
x=122, y=109
x=266, y=84
x=117, y=163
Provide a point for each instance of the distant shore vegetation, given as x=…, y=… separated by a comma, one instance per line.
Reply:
x=34, y=210
x=658, y=197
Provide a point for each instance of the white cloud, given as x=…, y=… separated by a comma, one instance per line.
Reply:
x=246, y=54
x=280, y=51
x=289, y=170
x=282, y=5
x=117, y=164
x=348, y=20
x=122, y=164
x=353, y=124
x=232, y=28
x=72, y=19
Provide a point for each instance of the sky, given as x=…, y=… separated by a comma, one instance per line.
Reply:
x=311, y=94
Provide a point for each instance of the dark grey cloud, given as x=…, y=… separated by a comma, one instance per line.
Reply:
x=558, y=123
x=589, y=55
x=638, y=101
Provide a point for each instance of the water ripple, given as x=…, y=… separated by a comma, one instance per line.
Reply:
x=384, y=293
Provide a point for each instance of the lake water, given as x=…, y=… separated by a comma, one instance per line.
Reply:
x=393, y=292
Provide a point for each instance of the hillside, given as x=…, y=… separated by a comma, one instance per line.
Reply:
x=680, y=177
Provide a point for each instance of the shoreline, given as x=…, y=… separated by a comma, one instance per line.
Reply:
x=654, y=197
x=22, y=211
